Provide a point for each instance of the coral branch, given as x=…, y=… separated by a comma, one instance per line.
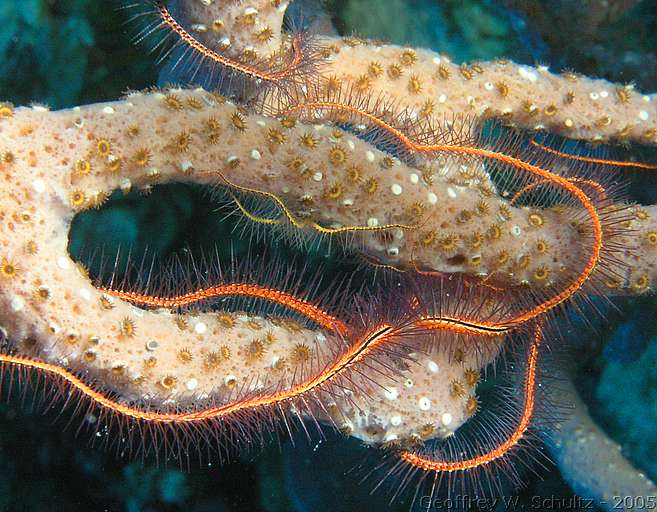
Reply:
x=570, y=105
x=239, y=27
x=431, y=85
x=381, y=147
x=592, y=463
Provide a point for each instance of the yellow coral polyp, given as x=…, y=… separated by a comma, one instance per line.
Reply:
x=641, y=214
x=181, y=142
x=8, y=269
x=114, y=165
x=128, y=328
x=256, y=350
x=471, y=406
x=651, y=238
x=238, y=121
x=6, y=110
x=103, y=148
x=212, y=360
x=641, y=282
x=337, y=156
x=536, y=220
x=168, y=382
x=541, y=273
x=226, y=319
x=309, y=140
x=448, y=242
x=335, y=192
x=142, y=157
x=301, y=353
x=276, y=136
x=408, y=57
x=542, y=246
x=173, y=102
x=185, y=355
x=371, y=185
x=78, y=199
x=82, y=167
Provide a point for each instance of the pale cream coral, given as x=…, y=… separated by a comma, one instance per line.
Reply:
x=530, y=97
x=245, y=30
x=63, y=162
x=444, y=217
x=327, y=179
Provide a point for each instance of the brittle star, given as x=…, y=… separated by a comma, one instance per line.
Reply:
x=490, y=233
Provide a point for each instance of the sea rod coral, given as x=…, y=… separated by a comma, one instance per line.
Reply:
x=380, y=147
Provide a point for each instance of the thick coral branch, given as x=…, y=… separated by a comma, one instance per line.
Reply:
x=569, y=104
x=593, y=464
x=238, y=27
x=59, y=163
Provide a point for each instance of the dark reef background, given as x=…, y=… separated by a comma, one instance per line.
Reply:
x=68, y=52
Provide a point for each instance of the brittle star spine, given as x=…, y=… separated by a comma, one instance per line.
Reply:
x=592, y=160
